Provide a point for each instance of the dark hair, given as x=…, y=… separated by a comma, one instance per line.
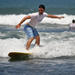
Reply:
x=42, y=6
x=73, y=21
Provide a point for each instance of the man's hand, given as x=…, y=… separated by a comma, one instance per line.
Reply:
x=18, y=26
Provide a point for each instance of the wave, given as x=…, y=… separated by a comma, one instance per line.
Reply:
x=51, y=50
x=15, y=19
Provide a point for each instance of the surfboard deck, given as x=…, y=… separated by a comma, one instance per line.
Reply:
x=19, y=56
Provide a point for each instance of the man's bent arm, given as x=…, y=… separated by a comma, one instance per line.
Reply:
x=25, y=18
x=53, y=16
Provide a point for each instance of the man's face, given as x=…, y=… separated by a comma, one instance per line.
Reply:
x=41, y=10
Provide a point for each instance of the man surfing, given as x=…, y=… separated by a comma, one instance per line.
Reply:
x=30, y=29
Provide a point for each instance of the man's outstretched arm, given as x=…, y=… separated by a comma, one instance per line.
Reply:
x=25, y=18
x=53, y=16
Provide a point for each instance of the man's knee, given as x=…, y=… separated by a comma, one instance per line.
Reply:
x=37, y=37
x=31, y=39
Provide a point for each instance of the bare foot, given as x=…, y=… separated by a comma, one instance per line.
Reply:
x=27, y=49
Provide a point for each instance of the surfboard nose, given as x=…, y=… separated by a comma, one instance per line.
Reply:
x=19, y=55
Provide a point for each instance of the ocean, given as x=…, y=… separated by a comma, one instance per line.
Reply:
x=56, y=54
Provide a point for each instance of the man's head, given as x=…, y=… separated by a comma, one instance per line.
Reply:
x=41, y=9
x=73, y=21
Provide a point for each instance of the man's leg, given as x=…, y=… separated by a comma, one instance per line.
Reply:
x=29, y=43
x=37, y=40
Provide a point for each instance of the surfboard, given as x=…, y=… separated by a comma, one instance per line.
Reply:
x=19, y=56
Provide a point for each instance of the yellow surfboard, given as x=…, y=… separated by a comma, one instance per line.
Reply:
x=19, y=55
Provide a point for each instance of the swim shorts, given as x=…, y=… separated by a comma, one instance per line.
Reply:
x=30, y=31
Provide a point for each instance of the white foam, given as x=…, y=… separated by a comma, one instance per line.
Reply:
x=51, y=49
x=11, y=19
x=2, y=34
x=66, y=20
x=15, y=19
x=54, y=49
x=10, y=45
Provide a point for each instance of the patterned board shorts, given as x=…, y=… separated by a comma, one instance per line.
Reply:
x=30, y=31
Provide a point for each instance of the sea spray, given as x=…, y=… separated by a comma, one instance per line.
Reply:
x=48, y=50
x=14, y=19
